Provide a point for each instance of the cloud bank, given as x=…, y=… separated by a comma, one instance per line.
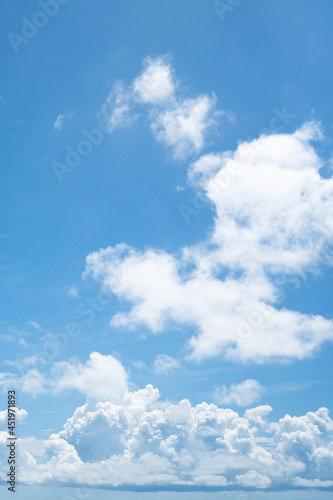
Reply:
x=136, y=439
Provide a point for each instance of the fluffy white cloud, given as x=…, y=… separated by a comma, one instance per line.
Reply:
x=157, y=82
x=100, y=378
x=244, y=394
x=273, y=218
x=253, y=479
x=181, y=123
x=184, y=128
x=20, y=416
x=163, y=364
x=269, y=197
x=141, y=440
x=257, y=416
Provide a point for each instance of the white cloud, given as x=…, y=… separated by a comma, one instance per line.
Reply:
x=102, y=377
x=157, y=82
x=257, y=416
x=185, y=127
x=253, y=479
x=273, y=218
x=163, y=364
x=34, y=324
x=20, y=416
x=141, y=440
x=118, y=108
x=73, y=291
x=61, y=119
x=180, y=122
x=244, y=394
x=27, y=361
x=32, y=382
x=133, y=438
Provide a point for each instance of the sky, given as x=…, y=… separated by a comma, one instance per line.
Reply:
x=166, y=248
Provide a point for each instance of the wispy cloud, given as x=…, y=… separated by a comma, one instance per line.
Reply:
x=164, y=364
x=61, y=119
x=181, y=123
x=73, y=291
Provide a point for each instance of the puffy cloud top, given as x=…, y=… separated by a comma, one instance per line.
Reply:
x=143, y=441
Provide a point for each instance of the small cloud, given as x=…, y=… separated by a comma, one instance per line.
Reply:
x=184, y=128
x=31, y=382
x=2, y=99
x=287, y=89
x=244, y=394
x=118, y=108
x=102, y=377
x=27, y=361
x=73, y=291
x=61, y=119
x=140, y=365
x=157, y=83
x=164, y=364
x=34, y=324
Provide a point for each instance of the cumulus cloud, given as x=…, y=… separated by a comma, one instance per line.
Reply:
x=20, y=416
x=181, y=123
x=244, y=394
x=185, y=127
x=157, y=82
x=142, y=441
x=100, y=378
x=273, y=219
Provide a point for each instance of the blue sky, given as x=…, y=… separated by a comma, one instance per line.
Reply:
x=158, y=254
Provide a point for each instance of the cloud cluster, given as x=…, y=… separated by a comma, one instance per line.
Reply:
x=181, y=123
x=142, y=441
x=273, y=219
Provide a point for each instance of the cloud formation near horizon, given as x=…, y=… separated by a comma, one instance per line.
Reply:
x=139, y=440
